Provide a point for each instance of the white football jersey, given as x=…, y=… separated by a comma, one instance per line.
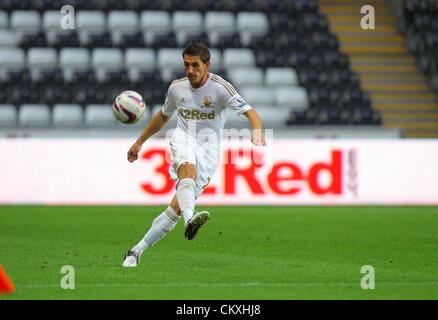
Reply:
x=201, y=111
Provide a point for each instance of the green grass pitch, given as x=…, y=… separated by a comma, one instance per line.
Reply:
x=242, y=253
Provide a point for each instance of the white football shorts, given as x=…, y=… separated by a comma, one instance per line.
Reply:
x=205, y=157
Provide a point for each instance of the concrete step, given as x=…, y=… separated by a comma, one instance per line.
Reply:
x=373, y=48
x=395, y=87
x=356, y=18
x=352, y=2
x=412, y=124
x=357, y=59
x=340, y=28
x=369, y=77
x=384, y=39
x=348, y=8
x=385, y=69
x=412, y=115
x=421, y=134
x=405, y=107
x=405, y=96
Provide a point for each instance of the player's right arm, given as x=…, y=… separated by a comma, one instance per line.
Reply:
x=155, y=125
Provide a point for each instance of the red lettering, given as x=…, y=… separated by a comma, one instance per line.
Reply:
x=162, y=169
x=335, y=170
x=274, y=178
x=231, y=172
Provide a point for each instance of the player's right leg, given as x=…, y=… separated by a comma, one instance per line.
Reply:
x=186, y=196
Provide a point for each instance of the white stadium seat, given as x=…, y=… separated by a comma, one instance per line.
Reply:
x=9, y=38
x=238, y=58
x=219, y=23
x=185, y=23
x=106, y=59
x=25, y=21
x=34, y=115
x=88, y=22
x=277, y=77
x=153, y=23
x=11, y=59
x=137, y=60
x=51, y=20
x=169, y=60
x=4, y=20
x=241, y=77
x=294, y=98
x=251, y=23
x=122, y=22
x=73, y=59
x=258, y=95
x=41, y=59
x=67, y=115
x=52, y=25
x=99, y=115
x=272, y=116
x=8, y=115
x=215, y=60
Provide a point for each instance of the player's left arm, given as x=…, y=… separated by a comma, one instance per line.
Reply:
x=253, y=117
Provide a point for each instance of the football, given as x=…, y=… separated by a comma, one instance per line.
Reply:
x=129, y=107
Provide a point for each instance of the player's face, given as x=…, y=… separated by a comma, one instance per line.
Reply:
x=195, y=69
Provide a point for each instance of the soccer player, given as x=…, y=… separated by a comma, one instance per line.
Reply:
x=201, y=99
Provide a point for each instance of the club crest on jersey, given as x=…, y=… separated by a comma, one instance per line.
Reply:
x=207, y=102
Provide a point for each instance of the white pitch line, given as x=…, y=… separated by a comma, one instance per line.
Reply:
x=242, y=284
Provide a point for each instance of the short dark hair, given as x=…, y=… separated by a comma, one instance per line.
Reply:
x=197, y=49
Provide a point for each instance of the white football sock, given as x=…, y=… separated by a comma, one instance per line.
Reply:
x=161, y=226
x=185, y=195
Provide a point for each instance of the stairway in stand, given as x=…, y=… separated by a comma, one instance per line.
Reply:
x=389, y=73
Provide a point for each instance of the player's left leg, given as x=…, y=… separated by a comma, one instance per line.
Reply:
x=161, y=226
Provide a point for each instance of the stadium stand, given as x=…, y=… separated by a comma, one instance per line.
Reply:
x=282, y=55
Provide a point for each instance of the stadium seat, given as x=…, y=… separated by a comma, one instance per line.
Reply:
x=238, y=58
x=99, y=115
x=258, y=95
x=277, y=77
x=106, y=61
x=4, y=20
x=11, y=59
x=8, y=115
x=251, y=23
x=91, y=26
x=294, y=98
x=218, y=23
x=25, y=21
x=215, y=60
x=153, y=23
x=64, y=115
x=73, y=60
x=169, y=62
x=138, y=60
x=185, y=23
x=272, y=116
x=34, y=115
x=122, y=23
x=9, y=38
x=40, y=60
x=241, y=77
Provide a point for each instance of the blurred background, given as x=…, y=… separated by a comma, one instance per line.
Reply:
x=308, y=67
